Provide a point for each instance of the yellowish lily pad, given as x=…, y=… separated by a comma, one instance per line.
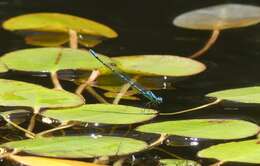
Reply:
x=57, y=22
x=219, y=17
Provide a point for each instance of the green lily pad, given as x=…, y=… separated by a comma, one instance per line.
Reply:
x=219, y=17
x=52, y=60
x=204, y=128
x=3, y=68
x=47, y=39
x=178, y=162
x=242, y=151
x=159, y=65
x=78, y=146
x=16, y=93
x=57, y=22
x=243, y=95
x=102, y=113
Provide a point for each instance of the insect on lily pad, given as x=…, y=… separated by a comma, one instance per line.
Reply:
x=87, y=32
x=50, y=60
x=217, y=18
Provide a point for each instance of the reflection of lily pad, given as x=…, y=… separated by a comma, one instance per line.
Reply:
x=57, y=22
x=51, y=60
x=47, y=39
x=204, y=128
x=242, y=151
x=243, y=95
x=43, y=161
x=159, y=65
x=220, y=17
x=78, y=146
x=16, y=93
x=102, y=113
x=178, y=162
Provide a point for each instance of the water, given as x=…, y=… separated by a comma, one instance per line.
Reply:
x=145, y=27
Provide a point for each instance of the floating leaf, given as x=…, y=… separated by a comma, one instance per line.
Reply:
x=243, y=95
x=242, y=151
x=78, y=146
x=47, y=39
x=178, y=162
x=3, y=68
x=159, y=65
x=17, y=93
x=57, y=22
x=52, y=60
x=102, y=113
x=43, y=161
x=204, y=128
x=219, y=17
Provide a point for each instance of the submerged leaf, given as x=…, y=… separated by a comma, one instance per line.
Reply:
x=57, y=22
x=102, y=113
x=44, y=161
x=204, y=128
x=78, y=146
x=52, y=60
x=178, y=162
x=219, y=17
x=242, y=151
x=159, y=65
x=243, y=95
x=129, y=95
x=17, y=93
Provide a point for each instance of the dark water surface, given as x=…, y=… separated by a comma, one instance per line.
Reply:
x=145, y=27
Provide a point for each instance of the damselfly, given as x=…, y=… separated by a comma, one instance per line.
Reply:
x=147, y=93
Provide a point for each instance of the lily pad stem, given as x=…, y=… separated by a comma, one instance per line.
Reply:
x=169, y=153
x=73, y=39
x=123, y=91
x=159, y=141
x=209, y=43
x=33, y=119
x=218, y=163
x=192, y=109
x=96, y=95
x=55, y=129
x=55, y=81
x=93, y=76
x=29, y=134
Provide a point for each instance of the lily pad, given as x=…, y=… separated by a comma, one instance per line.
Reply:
x=3, y=68
x=178, y=162
x=204, y=128
x=43, y=161
x=159, y=65
x=78, y=146
x=243, y=95
x=219, y=17
x=17, y=93
x=102, y=113
x=242, y=151
x=52, y=60
x=57, y=22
